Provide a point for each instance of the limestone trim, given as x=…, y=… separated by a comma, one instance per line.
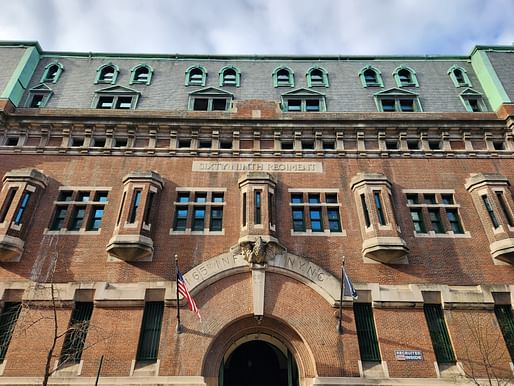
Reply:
x=109, y=381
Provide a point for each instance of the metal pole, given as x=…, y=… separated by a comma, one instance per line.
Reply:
x=179, y=325
x=341, y=295
x=99, y=369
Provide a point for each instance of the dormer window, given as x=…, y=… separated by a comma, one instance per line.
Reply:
x=108, y=73
x=210, y=99
x=397, y=100
x=405, y=77
x=303, y=100
x=229, y=76
x=283, y=77
x=472, y=101
x=459, y=76
x=116, y=97
x=141, y=74
x=52, y=72
x=370, y=77
x=196, y=76
x=317, y=77
x=39, y=96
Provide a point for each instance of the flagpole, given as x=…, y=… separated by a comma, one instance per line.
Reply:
x=179, y=325
x=341, y=295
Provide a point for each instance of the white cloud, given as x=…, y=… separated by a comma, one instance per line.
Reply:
x=260, y=26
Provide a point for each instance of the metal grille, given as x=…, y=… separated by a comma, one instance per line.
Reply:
x=150, y=331
x=8, y=320
x=506, y=322
x=77, y=331
x=368, y=343
x=439, y=333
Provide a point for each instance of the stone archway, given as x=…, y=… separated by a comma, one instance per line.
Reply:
x=287, y=359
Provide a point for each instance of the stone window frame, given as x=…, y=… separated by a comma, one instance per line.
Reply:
x=317, y=83
x=134, y=74
x=47, y=78
x=190, y=82
x=323, y=205
x=502, y=215
x=378, y=76
x=223, y=81
x=74, y=203
x=443, y=212
x=209, y=204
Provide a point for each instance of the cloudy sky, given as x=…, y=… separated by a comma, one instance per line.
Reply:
x=260, y=26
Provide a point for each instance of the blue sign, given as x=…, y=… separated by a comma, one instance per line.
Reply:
x=408, y=355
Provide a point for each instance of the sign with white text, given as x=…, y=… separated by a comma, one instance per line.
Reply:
x=408, y=355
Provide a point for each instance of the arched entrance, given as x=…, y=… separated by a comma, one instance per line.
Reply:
x=256, y=362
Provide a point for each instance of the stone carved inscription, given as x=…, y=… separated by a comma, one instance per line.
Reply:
x=212, y=267
x=251, y=166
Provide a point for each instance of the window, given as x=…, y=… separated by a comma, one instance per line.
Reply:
x=506, y=323
x=150, y=334
x=52, y=72
x=322, y=210
x=366, y=334
x=472, y=100
x=257, y=207
x=75, y=338
x=459, y=76
x=283, y=77
x=490, y=211
x=434, y=206
x=202, y=214
x=229, y=76
x=304, y=104
x=365, y=210
x=405, y=77
x=196, y=76
x=8, y=318
x=21, y=209
x=210, y=104
x=399, y=104
x=85, y=209
x=39, y=98
x=141, y=74
x=107, y=73
x=7, y=203
x=120, y=102
x=380, y=209
x=371, y=77
x=136, y=201
x=504, y=207
x=317, y=77
x=439, y=334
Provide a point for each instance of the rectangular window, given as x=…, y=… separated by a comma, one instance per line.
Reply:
x=270, y=209
x=417, y=219
x=298, y=220
x=334, y=222
x=366, y=334
x=316, y=221
x=7, y=203
x=21, y=209
x=148, y=208
x=505, y=208
x=317, y=206
x=435, y=220
x=76, y=334
x=257, y=207
x=365, y=210
x=438, y=332
x=121, y=208
x=77, y=218
x=150, y=335
x=490, y=211
x=407, y=105
x=244, y=209
x=380, y=209
x=135, y=206
x=59, y=217
x=180, y=218
x=453, y=219
x=198, y=219
x=388, y=105
x=506, y=323
x=8, y=319
x=216, y=218
x=95, y=218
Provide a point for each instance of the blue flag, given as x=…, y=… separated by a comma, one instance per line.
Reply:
x=349, y=290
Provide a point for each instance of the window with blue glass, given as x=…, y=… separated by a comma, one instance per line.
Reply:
x=322, y=210
x=22, y=208
x=370, y=77
x=199, y=211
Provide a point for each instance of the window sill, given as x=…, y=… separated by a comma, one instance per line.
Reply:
x=325, y=233
x=66, y=232
x=451, y=235
x=199, y=233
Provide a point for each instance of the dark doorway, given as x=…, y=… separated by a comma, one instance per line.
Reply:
x=258, y=363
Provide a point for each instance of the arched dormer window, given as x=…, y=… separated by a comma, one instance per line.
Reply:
x=371, y=77
x=283, y=77
x=196, y=76
x=107, y=73
x=459, y=76
x=230, y=76
x=405, y=77
x=52, y=72
x=141, y=74
x=317, y=77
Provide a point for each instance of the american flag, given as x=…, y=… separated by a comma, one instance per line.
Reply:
x=182, y=289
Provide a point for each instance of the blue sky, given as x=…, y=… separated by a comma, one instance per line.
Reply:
x=346, y=27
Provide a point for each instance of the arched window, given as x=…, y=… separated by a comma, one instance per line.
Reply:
x=459, y=76
x=283, y=77
x=107, y=73
x=371, y=77
x=196, y=76
x=229, y=76
x=141, y=74
x=405, y=77
x=52, y=72
x=317, y=77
